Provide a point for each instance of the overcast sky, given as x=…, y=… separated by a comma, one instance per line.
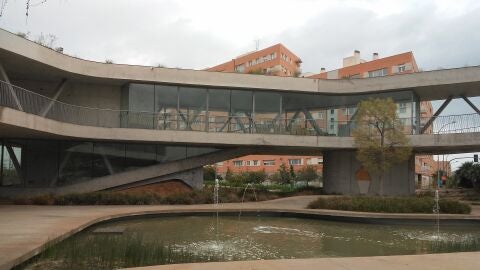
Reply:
x=198, y=34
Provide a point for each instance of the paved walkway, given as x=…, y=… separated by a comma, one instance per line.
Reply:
x=448, y=261
x=25, y=229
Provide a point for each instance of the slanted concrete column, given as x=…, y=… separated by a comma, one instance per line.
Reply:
x=343, y=174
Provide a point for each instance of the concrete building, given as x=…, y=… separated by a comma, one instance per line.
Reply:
x=71, y=125
x=275, y=60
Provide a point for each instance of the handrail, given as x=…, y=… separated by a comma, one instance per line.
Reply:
x=34, y=103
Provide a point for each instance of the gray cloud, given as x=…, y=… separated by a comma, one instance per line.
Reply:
x=437, y=41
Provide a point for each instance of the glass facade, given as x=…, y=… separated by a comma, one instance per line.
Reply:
x=249, y=111
x=49, y=163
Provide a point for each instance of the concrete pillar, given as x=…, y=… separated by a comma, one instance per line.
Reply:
x=343, y=174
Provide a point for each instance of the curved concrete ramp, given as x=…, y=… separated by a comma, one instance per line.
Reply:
x=188, y=170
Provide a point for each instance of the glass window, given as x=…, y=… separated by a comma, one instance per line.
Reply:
x=141, y=97
x=218, y=109
x=44, y=173
x=108, y=158
x=268, y=112
x=241, y=103
x=269, y=162
x=75, y=162
x=241, y=111
x=167, y=153
x=11, y=164
x=238, y=163
x=166, y=99
x=378, y=73
x=295, y=161
x=402, y=107
x=139, y=155
x=192, y=108
x=138, y=103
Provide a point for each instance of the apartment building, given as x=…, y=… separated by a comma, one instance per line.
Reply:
x=275, y=60
x=268, y=163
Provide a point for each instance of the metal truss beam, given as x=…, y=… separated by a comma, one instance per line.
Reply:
x=475, y=108
x=436, y=114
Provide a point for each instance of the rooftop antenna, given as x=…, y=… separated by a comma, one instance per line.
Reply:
x=257, y=44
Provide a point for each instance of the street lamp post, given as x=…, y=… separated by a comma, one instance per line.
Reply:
x=439, y=181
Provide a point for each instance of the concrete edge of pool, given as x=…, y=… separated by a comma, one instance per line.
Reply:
x=110, y=213
x=441, y=261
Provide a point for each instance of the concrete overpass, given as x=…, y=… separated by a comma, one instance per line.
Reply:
x=57, y=111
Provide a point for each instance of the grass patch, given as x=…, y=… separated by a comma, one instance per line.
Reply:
x=105, y=252
x=389, y=205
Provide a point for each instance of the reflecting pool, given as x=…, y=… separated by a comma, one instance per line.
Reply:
x=165, y=240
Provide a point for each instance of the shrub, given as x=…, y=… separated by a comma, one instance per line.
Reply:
x=468, y=175
x=43, y=200
x=307, y=174
x=204, y=196
x=389, y=205
x=209, y=173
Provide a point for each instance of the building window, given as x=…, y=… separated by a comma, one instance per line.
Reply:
x=345, y=111
x=378, y=73
x=332, y=111
x=402, y=107
x=219, y=164
x=295, y=161
x=238, y=163
x=319, y=115
x=268, y=162
x=402, y=68
x=252, y=162
x=352, y=110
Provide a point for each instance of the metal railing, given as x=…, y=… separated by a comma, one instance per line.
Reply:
x=30, y=102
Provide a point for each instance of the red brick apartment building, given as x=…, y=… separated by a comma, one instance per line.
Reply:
x=275, y=60
x=353, y=67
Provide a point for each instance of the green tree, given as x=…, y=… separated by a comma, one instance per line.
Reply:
x=257, y=177
x=228, y=174
x=468, y=175
x=209, y=173
x=307, y=174
x=284, y=174
x=380, y=139
x=293, y=176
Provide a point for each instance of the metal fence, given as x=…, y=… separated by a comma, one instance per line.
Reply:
x=30, y=102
